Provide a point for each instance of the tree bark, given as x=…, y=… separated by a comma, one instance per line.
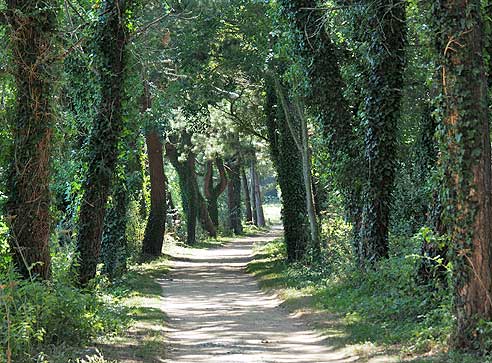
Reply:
x=247, y=197
x=386, y=49
x=194, y=204
x=465, y=156
x=34, y=27
x=234, y=196
x=156, y=224
x=260, y=216
x=103, y=145
x=288, y=163
x=213, y=192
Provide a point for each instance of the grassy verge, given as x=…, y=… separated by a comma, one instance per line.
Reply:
x=144, y=341
x=379, y=312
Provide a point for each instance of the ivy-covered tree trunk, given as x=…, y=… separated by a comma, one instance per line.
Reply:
x=234, y=196
x=386, y=51
x=325, y=100
x=114, y=249
x=247, y=197
x=465, y=156
x=103, y=144
x=252, y=197
x=213, y=192
x=34, y=25
x=156, y=224
x=288, y=163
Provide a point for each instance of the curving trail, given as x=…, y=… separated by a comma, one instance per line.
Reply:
x=219, y=314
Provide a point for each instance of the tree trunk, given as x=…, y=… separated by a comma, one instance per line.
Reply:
x=34, y=27
x=325, y=99
x=386, y=50
x=288, y=163
x=465, y=156
x=234, y=197
x=156, y=224
x=247, y=197
x=194, y=204
x=103, y=144
x=114, y=242
x=260, y=216
x=213, y=192
x=253, y=198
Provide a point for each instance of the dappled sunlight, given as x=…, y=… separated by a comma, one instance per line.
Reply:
x=217, y=313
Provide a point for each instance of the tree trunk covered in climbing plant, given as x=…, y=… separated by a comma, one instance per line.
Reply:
x=247, y=197
x=111, y=39
x=288, y=163
x=386, y=52
x=234, y=196
x=213, y=192
x=33, y=26
x=114, y=246
x=156, y=224
x=465, y=157
x=326, y=101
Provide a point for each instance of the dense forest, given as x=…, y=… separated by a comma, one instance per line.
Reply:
x=129, y=127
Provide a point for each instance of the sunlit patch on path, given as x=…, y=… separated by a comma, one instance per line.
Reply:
x=217, y=313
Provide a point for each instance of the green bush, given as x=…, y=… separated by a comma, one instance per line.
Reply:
x=35, y=315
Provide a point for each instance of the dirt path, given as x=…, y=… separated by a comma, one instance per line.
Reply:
x=218, y=313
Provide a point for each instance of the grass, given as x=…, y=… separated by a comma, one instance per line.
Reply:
x=379, y=312
x=145, y=340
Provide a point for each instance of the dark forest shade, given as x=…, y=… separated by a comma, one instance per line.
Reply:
x=103, y=143
x=34, y=26
x=465, y=156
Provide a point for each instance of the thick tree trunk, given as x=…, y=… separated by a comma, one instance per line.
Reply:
x=465, y=155
x=156, y=224
x=247, y=197
x=34, y=26
x=103, y=144
x=234, y=197
x=386, y=49
x=260, y=216
x=288, y=163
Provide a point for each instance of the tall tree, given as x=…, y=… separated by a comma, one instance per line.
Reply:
x=326, y=101
x=386, y=51
x=33, y=24
x=111, y=39
x=247, y=197
x=465, y=156
x=156, y=223
x=213, y=192
x=234, y=195
x=288, y=163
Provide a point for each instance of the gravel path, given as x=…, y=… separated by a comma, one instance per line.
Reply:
x=219, y=314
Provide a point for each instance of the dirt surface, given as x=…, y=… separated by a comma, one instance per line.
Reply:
x=217, y=313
